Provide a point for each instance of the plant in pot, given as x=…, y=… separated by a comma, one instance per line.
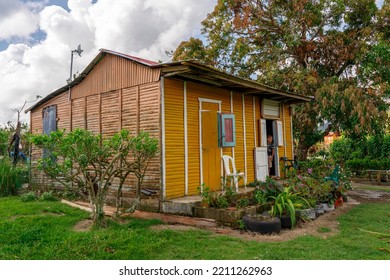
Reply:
x=285, y=205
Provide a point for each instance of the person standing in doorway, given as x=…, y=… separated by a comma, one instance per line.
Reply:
x=270, y=152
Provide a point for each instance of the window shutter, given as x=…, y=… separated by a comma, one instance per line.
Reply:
x=49, y=119
x=227, y=130
x=270, y=109
x=279, y=126
x=263, y=133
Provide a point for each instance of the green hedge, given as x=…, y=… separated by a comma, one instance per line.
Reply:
x=358, y=166
x=374, y=147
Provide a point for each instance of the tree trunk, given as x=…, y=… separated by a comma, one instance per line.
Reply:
x=302, y=150
x=98, y=216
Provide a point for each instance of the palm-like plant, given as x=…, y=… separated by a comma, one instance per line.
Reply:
x=285, y=203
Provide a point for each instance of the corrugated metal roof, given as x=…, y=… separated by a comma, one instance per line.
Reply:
x=188, y=70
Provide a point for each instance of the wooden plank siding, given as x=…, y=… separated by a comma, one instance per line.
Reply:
x=78, y=111
x=63, y=122
x=239, y=148
x=174, y=137
x=114, y=73
x=110, y=113
x=288, y=132
x=250, y=139
x=117, y=93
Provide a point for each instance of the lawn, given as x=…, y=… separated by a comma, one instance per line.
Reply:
x=44, y=230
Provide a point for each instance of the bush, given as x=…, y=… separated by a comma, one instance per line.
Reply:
x=358, y=166
x=27, y=197
x=11, y=177
x=372, y=148
x=48, y=196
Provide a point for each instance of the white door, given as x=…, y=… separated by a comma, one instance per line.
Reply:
x=261, y=163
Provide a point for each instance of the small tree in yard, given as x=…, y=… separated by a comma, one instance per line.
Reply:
x=89, y=161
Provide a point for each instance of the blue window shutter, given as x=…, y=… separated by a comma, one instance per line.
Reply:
x=49, y=119
x=227, y=130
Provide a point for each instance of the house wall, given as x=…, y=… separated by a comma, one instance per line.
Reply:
x=116, y=94
x=181, y=103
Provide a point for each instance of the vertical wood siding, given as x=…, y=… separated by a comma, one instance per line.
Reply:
x=130, y=109
x=149, y=120
x=98, y=106
x=78, y=107
x=113, y=73
x=174, y=137
x=110, y=113
x=239, y=149
x=288, y=131
x=250, y=139
x=93, y=121
x=63, y=122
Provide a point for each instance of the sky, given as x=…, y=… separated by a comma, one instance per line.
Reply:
x=37, y=37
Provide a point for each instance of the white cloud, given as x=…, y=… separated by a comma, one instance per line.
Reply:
x=144, y=28
x=17, y=19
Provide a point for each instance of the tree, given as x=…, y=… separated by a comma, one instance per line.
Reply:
x=91, y=162
x=316, y=48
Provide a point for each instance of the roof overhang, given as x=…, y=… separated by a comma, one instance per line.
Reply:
x=198, y=72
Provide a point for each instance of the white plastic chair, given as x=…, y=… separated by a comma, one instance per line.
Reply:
x=232, y=173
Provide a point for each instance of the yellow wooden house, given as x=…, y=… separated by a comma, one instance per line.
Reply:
x=198, y=114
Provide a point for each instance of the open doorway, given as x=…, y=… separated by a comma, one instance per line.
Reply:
x=272, y=131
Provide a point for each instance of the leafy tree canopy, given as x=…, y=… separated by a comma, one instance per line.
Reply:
x=337, y=51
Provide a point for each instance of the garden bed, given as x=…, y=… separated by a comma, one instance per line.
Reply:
x=230, y=216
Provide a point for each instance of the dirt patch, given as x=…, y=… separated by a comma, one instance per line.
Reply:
x=369, y=196
x=83, y=226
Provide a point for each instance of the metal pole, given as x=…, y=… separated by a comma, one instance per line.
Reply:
x=71, y=66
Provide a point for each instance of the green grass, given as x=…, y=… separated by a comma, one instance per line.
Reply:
x=44, y=230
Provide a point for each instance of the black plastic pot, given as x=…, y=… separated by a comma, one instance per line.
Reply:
x=286, y=221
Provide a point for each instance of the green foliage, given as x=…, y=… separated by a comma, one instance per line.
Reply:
x=48, y=196
x=286, y=202
x=28, y=197
x=93, y=163
x=359, y=166
x=243, y=202
x=214, y=199
x=362, y=154
x=11, y=177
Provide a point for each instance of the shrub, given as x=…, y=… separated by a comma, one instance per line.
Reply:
x=48, y=196
x=30, y=196
x=358, y=166
x=11, y=177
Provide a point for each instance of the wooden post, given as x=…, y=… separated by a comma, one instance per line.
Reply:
x=138, y=109
x=120, y=109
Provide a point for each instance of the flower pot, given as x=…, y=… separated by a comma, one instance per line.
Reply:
x=338, y=202
x=286, y=221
